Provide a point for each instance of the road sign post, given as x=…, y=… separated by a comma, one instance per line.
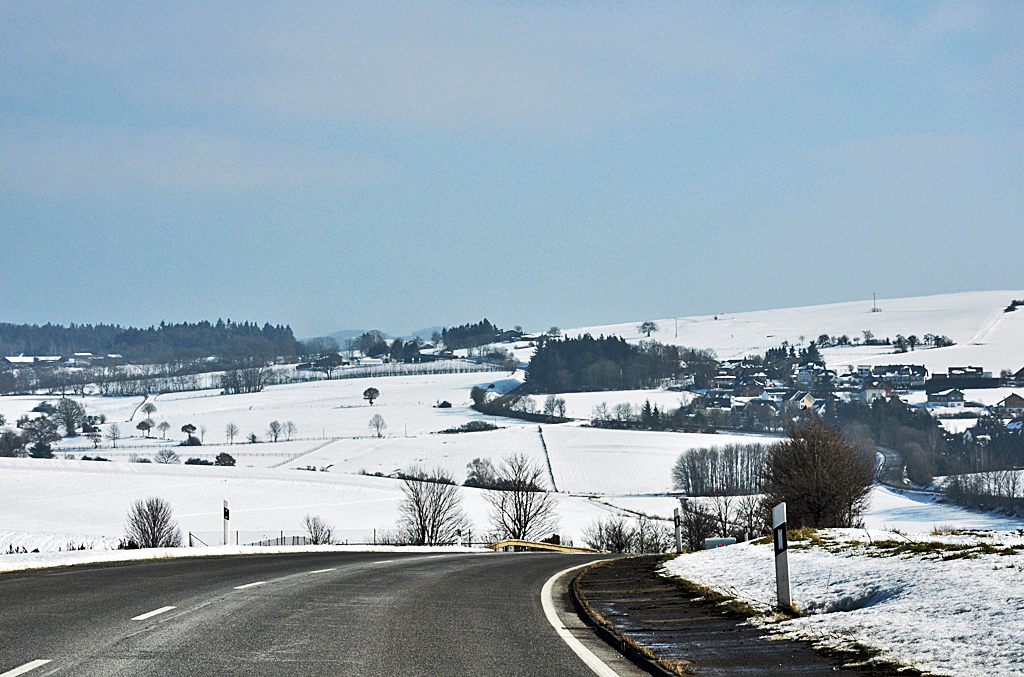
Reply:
x=679, y=532
x=227, y=521
x=781, y=545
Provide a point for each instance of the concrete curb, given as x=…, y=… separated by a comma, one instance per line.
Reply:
x=610, y=635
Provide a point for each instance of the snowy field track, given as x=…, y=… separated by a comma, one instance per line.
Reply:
x=424, y=613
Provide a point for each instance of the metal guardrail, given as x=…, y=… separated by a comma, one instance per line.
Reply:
x=536, y=545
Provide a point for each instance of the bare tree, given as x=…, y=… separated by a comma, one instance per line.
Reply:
x=251, y=379
x=723, y=514
x=202, y=433
x=698, y=523
x=144, y=426
x=521, y=508
x=150, y=525
x=370, y=394
x=290, y=430
x=114, y=434
x=617, y=534
x=70, y=415
x=164, y=427
x=750, y=514
x=274, y=431
x=230, y=431
x=647, y=327
x=378, y=425
x=320, y=532
x=167, y=456
x=149, y=409
x=824, y=478
x=431, y=508
x=560, y=407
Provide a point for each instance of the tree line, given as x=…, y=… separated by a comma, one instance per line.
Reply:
x=586, y=363
x=163, y=343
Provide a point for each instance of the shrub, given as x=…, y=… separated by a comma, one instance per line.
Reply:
x=320, y=532
x=150, y=525
x=224, y=458
x=198, y=461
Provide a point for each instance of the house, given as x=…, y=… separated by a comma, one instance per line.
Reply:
x=1012, y=405
x=902, y=376
x=762, y=410
x=947, y=398
x=748, y=386
x=718, y=399
x=34, y=359
x=872, y=390
x=796, y=401
x=961, y=378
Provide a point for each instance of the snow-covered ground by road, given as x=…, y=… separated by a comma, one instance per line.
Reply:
x=41, y=560
x=941, y=609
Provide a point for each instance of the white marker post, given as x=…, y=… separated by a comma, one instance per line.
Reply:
x=679, y=532
x=227, y=520
x=781, y=544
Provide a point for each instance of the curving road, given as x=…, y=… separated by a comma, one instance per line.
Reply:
x=309, y=614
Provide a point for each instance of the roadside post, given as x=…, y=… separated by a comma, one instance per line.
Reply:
x=679, y=532
x=227, y=520
x=781, y=545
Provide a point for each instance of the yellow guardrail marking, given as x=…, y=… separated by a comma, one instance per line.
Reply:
x=538, y=546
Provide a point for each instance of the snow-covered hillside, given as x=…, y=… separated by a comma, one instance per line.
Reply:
x=975, y=321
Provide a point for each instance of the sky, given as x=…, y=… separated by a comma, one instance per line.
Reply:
x=398, y=165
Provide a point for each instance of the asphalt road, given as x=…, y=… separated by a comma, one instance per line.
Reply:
x=304, y=615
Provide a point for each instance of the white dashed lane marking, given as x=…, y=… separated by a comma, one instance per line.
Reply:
x=156, y=612
x=239, y=587
x=25, y=668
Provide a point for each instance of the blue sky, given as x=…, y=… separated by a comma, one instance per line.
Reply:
x=399, y=165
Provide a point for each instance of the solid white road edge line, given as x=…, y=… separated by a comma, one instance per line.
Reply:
x=237, y=587
x=547, y=601
x=322, y=571
x=25, y=668
x=155, y=612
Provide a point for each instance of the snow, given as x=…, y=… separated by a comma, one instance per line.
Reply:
x=602, y=461
x=581, y=405
x=49, y=504
x=913, y=511
x=43, y=560
x=986, y=336
x=950, y=617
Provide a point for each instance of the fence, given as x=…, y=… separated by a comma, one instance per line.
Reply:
x=281, y=537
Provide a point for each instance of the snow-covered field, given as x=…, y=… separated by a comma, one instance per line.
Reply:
x=956, y=608
x=600, y=461
x=318, y=409
x=49, y=504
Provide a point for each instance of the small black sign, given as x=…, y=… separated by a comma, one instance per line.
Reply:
x=677, y=520
x=781, y=539
x=227, y=514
